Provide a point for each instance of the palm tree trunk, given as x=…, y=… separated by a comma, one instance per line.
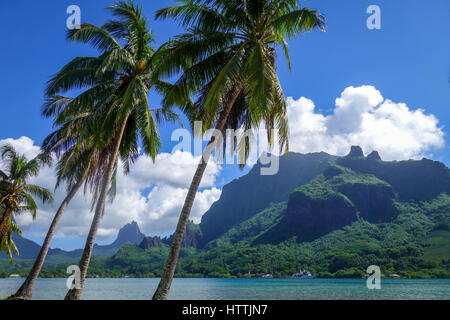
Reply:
x=4, y=223
x=25, y=292
x=162, y=292
x=75, y=294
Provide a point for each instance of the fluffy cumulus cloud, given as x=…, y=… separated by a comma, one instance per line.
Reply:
x=363, y=117
x=152, y=195
x=23, y=145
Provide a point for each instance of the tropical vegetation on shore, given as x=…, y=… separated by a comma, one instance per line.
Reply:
x=410, y=246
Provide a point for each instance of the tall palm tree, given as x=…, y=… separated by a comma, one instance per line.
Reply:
x=227, y=62
x=16, y=194
x=117, y=84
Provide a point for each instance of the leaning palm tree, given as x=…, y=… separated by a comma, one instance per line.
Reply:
x=16, y=194
x=77, y=165
x=117, y=84
x=227, y=61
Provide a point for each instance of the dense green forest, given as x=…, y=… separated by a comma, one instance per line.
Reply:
x=415, y=245
x=355, y=212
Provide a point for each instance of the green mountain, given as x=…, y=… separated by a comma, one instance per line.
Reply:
x=334, y=216
x=414, y=243
x=248, y=195
x=336, y=198
x=356, y=211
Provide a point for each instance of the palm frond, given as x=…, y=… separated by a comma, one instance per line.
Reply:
x=42, y=193
x=295, y=22
x=95, y=36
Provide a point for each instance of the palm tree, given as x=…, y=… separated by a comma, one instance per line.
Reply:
x=227, y=60
x=16, y=194
x=115, y=100
x=77, y=165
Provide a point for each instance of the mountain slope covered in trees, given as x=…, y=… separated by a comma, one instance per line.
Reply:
x=340, y=216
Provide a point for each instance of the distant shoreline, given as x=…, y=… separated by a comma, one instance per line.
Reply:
x=248, y=278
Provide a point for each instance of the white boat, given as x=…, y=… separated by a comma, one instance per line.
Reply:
x=303, y=275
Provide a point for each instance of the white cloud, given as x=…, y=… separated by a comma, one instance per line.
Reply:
x=363, y=117
x=351, y=107
x=23, y=145
x=163, y=211
x=152, y=194
x=176, y=169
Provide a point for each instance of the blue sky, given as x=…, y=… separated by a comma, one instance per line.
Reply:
x=407, y=60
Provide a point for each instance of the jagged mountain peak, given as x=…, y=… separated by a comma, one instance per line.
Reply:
x=150, y=242
x=130, y=233
x=355, y=152
x=374, y=155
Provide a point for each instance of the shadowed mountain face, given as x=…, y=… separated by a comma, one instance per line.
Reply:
x=150, y=242
x=130, y=233
x=411, y=180
x=248, y=195
x=191, y=238
x=28, y=248
x=323, y=196
x=335, y=199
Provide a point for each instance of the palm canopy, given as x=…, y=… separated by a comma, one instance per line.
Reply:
x=16, y=194
x=116, y=85
x=78, y=160
x=230, y=47
x=77, y=155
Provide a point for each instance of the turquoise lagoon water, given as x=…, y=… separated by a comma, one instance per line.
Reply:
x=241, y=289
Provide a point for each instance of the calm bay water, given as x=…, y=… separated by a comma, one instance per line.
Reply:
x=236, y=289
